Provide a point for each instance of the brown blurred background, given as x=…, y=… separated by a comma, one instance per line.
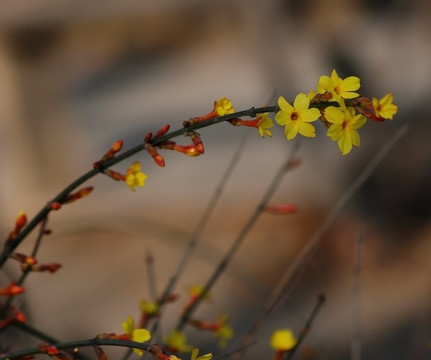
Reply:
x=75, y=76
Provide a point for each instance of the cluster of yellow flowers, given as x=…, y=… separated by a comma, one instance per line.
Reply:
x=343, y=120
x=282, y=341
x=335, y=101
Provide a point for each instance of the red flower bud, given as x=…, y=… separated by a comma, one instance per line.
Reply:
x=55, y=206
x=281, y=209
x=115, y=175
x=158, y=159
x=116, y=147
x=78, y=195
x=13, y=289
x=163, y=130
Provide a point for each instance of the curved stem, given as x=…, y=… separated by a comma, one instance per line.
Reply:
x=10, y=247
x=78, y=344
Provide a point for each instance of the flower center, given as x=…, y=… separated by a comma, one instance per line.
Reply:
x=344, y=125
x=294, y=116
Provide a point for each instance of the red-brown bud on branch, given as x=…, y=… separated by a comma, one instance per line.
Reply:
x=148, y=137
x=163, y=130
x=78, y=195
x=100, y=353
x=281, y=209
x=116, y=147
x=23, y=259
x=20, y=222
x=365, y=106
x=295, y=162
x=114, y=175
x=197, y=141
x=55, y=205
x=158, y=159
x=12, y=290
x=51, y=268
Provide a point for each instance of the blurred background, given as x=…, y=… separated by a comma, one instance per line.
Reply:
x=75, y=76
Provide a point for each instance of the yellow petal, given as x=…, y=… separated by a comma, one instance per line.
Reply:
x=355, y=138
x=324, y=83
x=310, y=115
x=334, y=77
x=302, y=102
x=141, y=335
x=306, y=129
x=345, y=144
x=334, y=115
x=351, y=83
x=128, y=325
x=282, y=117
x=284, y=105
x=334, y=132
x=358, y=122
x=291, y=130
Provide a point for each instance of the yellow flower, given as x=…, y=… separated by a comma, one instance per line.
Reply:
x=138, y=335
x=195, y=353
x=339, y=88
x=297, y=118
x=177, y=341
x=149, y=307
x=134, y=176
x=223, y=107
x=224, y=331
x=344, y=127
x=283, y=340
x=263, y=124
x=384, y=107
x=196, y=291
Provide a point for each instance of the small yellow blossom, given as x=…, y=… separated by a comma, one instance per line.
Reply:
x=339, y=88
x=149, y=307
x=177, y=341
x=134, y=176
x=196, y=291
x=344, y=128
x=297, y=118
x=264, y=123
x=223, y=107
x=195, y=353
x=224, y=331
x=138, y=335
x=283, y=340
x=384, y=107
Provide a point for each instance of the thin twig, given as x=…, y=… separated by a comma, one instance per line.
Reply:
x=27, y=328
x=25, y=273
x=149, y=261
x=309, y=250
x=209, y=209
x=240, y=238
x=305, y=330
x=79, y=344
x=356, y=346
x=10, y=247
